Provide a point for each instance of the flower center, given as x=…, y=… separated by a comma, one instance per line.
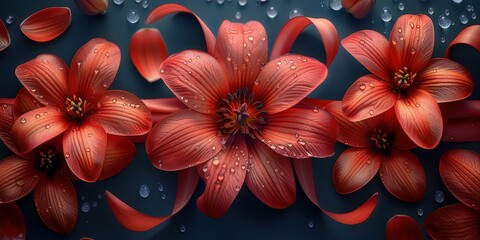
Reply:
x=47, y=161
x=76, y=106
x=238, y=112
x=404, y=78
x=380, y=139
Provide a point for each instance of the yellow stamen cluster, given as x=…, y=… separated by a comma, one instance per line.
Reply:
x=380, y=138
x=403, y=78
x=76, y=107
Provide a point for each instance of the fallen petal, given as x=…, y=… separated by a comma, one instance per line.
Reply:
x=358, y=8
x=92, y=7
x=4, y=36
x=403, y=227
x=147, y=52
x=46, y=24
x=455, y=221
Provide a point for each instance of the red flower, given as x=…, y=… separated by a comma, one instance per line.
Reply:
x=404, y=79
x=43, y=169
x=460, y=171
x=242, y=125
x=378, y=144
x=78, y=104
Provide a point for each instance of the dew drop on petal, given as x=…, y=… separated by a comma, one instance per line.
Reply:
x=439, y=196
x=362, y=86
x=371, y=112
x=23, y=120
x=86, y=207
x=216, y=161
x=144, y=191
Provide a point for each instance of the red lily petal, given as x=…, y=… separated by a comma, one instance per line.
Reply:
x=119, y=153
x=94, y=67
x=84, y=150
x=25, y=102
x=460, y=171
x=300, y=133
x=403, y=227
x=183, y=139
x=12, y=225
x=461, y=109
x=38, y=126
x=4, y=36
x=354, y=168
x=136, y=221
x=367, y=97
x=455, y=221
x=196, y=78
x=18, y=177
x=446, y=80
x=47, y=24
x=242, y=50
x=223, y=176
x=92, y=7
x=355, y=134
x=147, y=52
x=462, y=130
x=411, y=42
x=162, y=107
x=303, y=169
x=169, y=8
x=370, y=48
x=469, y=36
x=56, y=202
x=358, y=8
x=420, y=118
x=6, y=124
x=46, y=78
x=286, y=80
x=292, y=29
x=270, y=176
x=312, y=103
x=121, y=113
x=403, y=176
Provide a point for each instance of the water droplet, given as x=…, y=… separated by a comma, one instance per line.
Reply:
x=473, y=16
x=469, y=8
x=145, y=4
x=310, y=224
x=315, y=110
x=99, y=195
x=237, y=188
x=371, y=112
x=386, y=14
x=183, y=228
x=362, y=42
x=295, y=12
x=118, y=2
x=336, y=5
x=420, y=212
x=401, y=6
x=94, y=204
x=238, y=15
x=220, y=2
x=442, y=39
x=444, y=21
x=369, y=161
x=439, y=196
x=242, y=2
x=362, y=86
x=293, y=67
x=447, y=12
x=413, y=51
x=371, y=84
x=457, y=1
x=37, y=116
x=272, y=12
x=256, y=82
x=86, y=207
x=138, y=1
x=431, y=11
x=301, y=142
x=144, y=191
x=223, y=141
x=216, y=161
x=23, y=120
x=9, y=19
x=163, y=196
x=132, y=16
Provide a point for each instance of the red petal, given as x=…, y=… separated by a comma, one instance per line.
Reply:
x=12, y=225
x=354, y=168
x=169, y=8
x=46, y=24
x=370, y=48
x=469, y=36
x=162, y=107
x=461, y=109
x=94, y=67
x=462, y=130
x=403, y=176
x=358, y=8
x=184, y=139
x=455, y=221
x=84, y=150
x=420, y=118
x=292, y=29
x=223, y=176
x=119, y=153
x=242, y=50
x=38, y=126
x=367, y=97
x=4, y=36
x=25, y=102
x=312, y=103
x=137, y=221
x=270, y=176
x=147, y=52
x=355, y=134
x=446, y=80
x=303, y=169
x=6, y=124
x=18, y=177
x=196, y=78
x=121, y=113
x=46, y=78
x=286, y=80
x=411, y=42
x=300, y=133
x=92, y=7
x=403, y=227
x=56, y=202
x=460, y=171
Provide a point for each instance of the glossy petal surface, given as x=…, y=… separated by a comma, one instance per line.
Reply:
x=147, y=52
x=119, y=153
x=455, y=221
x=46, y=24
x=403, y=227
x=18, y=177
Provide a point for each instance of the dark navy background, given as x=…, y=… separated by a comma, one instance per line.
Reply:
x=247, y=218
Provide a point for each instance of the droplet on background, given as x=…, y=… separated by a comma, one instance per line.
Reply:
x=442, y=39
x=145, y=4
x=444, y=21
x=95, y=204
x=386, y=14
x=220, y=2
x=457, y=1
x=160, y=188
x=336, y=5
x=463, y=19
x=431, y=11
x=118, y=2
x=242, y=2
x=420, y=212
x=9, y=19
x=238, y=15
x=439, y=196
x=473, y=16
x=138, y=1
x=310, y=224
x=132, y=16
x=183, y=228
x=163, y=196
x=447, y=12
x=295, y=12
x=86, y=207
x=144, y=191
x=272, y=12
x=401, y=6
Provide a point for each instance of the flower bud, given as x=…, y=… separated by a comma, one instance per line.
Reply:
x=358, y=8
x=92, y=7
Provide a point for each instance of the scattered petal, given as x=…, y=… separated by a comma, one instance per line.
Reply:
x=4, y=37
x=469, y=36
x=403, y=227
x=147, y=52
x=92, y=7
x=358, y=8
x=47, y=24
x=455, y=221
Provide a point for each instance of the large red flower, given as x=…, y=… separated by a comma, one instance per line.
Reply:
x=377, y=144
x=404, y=78
x=241, y=125
x=78, y=104
x=43, y=169
x=460, y=171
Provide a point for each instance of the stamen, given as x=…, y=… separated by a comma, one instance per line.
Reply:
x=76, y=107
x=380, y=139
x=404, y=78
